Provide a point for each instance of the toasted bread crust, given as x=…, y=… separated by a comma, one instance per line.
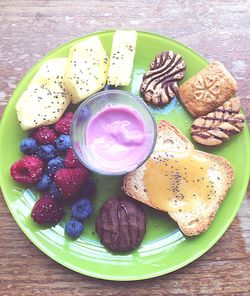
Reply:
x=190, y=223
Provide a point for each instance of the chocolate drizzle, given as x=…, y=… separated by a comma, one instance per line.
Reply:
x=159, y=84
x=216, y=127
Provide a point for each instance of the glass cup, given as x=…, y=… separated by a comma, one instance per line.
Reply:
x=97, y=103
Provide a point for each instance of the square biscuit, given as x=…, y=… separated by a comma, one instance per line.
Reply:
x=207, y=90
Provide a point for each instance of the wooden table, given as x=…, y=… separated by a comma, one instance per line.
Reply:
x=216, y=29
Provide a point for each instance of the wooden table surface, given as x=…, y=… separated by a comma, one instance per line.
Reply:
x=216, y=29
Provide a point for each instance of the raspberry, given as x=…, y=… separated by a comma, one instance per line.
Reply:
x=44, y=135
x=63, y=124
x=70, y=181
x=45, y=195
x=71, y=160
x=27, y=170
x=47, y=210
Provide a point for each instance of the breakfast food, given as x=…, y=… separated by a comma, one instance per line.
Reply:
x=207, y=90
x=44, y=135
x=74, y=228
x=60, y=180
x=89, y=189
x=186, y=183
x=159, y=84
x=82, y=209
x=54, y=164
x=218, y=126
x=28, y=146
x=52, y=69
x=47, y=210
x=71, y=161
x=70, y=181
x=121, y=128
x=63, y=143
x=121, y=224
x=62, y=126
x=27, y=170
x=46, y=152
x=113, y=137
x=45, y=99
x=44, y=182
x=122, y=57
x=86, y=69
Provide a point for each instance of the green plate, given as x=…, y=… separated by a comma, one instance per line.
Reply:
x=164, y=248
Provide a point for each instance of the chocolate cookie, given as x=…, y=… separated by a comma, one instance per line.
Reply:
x=159, y=84
x=121, y=224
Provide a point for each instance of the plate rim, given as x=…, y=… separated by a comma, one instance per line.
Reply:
x=85, y=271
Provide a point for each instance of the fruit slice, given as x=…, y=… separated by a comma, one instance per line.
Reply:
x=122, y=58
x=86, y=69
x=45, y=99
x=49, y=70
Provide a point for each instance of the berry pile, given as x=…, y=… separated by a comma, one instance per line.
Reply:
x=51, y=166
x=80, y=210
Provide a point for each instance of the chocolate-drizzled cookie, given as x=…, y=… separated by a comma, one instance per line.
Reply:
x=159, y=84
x=121, y=224
x=216, y=127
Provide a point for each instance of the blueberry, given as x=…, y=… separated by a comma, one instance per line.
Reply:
x=84, y=113
x=81, y=209
x=44, y=183
x=28, y=146
x=89, y=188
x=55, y=164
x=46, y=152
x=109, y=87
x=74, y=228
x=63, y=143
x=54, y=191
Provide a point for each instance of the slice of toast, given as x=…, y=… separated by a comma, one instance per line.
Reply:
x=198, y=219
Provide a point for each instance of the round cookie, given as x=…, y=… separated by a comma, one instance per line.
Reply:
x=121, y=224
x=159, y=83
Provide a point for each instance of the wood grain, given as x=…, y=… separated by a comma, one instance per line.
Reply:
x=219, y=30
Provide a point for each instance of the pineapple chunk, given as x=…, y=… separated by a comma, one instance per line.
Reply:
x=86, y=69
x=122, y=58
x=45, y=99
x=49, y=70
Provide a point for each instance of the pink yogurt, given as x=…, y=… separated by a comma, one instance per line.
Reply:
x=116, y=137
